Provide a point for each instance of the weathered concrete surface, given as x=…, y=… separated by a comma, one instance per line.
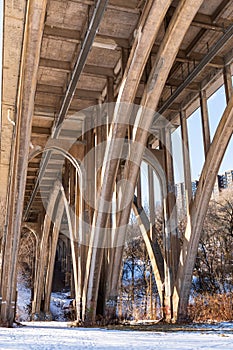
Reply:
x=14, y=13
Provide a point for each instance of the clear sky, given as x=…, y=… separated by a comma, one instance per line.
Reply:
x=216, y=106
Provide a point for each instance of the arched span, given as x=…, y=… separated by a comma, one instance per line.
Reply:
x=62, y=151
x=42, y=251
x=75, y=251
x=25, y=225
x=76, y=164
x=59, y=189
x=150, y=159
x=153, y=248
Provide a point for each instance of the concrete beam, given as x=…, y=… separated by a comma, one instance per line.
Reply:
x=75, y=36
x=65, y=66
x=204, y=21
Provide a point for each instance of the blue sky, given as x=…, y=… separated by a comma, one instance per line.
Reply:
x=216, y=106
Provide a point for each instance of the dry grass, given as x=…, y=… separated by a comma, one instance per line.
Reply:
x=208, y=308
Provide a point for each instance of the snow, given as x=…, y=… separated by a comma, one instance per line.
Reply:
x=59, y=304
x=23, y=299
x=56, y=335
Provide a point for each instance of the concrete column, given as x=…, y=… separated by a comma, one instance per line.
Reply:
x=205, y=121
x=151, y=201
x=97, y=263
x=186, y=160
x=50, y=271
x=228, y=82
x=34, y=22
x=171, y=239
x=43, y=256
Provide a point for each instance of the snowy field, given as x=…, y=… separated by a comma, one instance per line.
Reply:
x=56, y=335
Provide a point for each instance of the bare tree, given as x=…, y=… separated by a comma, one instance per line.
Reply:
x=138, y=295
x=214, y=263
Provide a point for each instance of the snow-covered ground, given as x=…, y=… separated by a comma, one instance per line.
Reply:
x=56, y=335
x=59, y=305
x=24, y=296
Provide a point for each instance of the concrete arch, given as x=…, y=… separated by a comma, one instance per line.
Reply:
x=153, y=248
x=55, y=234
x=37, y=252
x=76, y=256
x=58, y=189
x=175, y=33
x=30, y=255
x=43, y=256
x=62, y=151
x=73, y=161
x=32, y=230
x=144, y=41
x=43, y=252
x=64, y=205
x=151, y=159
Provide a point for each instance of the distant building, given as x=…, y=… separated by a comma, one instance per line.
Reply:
x=180, y=198
x=215, y=192
x=222, y=182
x=225, y=180
x=194, y=187
x=229, y=178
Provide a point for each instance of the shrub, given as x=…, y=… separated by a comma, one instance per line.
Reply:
x=212, y=308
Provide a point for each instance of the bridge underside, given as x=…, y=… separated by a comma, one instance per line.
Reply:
x=90, y=90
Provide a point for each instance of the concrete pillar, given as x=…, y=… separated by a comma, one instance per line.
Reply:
x=50, y=270
x=228, y=82
x=205, y=121
x=43, y=256
x=171, y=239
x=186, y=160
x=26, y=93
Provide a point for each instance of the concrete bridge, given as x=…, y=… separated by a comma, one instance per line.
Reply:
x=90, y=89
